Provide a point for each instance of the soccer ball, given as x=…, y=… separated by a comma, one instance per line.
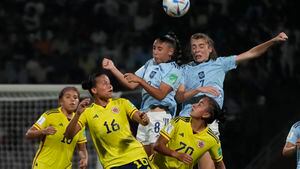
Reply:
x=176, y=8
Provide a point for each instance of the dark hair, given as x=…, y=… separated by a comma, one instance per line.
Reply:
x=172, y=39
x=91, y=82
x=65, y=89
x=215, y=111
x=213, y=55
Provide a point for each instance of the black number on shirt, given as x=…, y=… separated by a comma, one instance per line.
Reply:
x=114, y=126
x=188, y=150
x=65, y=140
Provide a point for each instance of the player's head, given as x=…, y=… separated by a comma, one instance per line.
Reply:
x=206, y=109
x=167, y=48
x=99, y=86
x=68, y=99
x=202, y=47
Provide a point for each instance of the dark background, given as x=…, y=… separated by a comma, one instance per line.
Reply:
x=62, y=41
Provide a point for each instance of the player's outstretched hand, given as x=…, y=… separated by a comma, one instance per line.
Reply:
x=281, y=37
x=145, y=118
x=187, y=159
x=130, y=77
x=107, y=64
x=83, y=163
x=50, y=130
x=82, y=105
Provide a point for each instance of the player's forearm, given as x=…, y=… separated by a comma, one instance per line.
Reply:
x=72, y=127
x=82, y=151
x=154, y=92
x=255, y=51
x=289, y=151
x=33, y=134
x=164, y=150
x=120, y=76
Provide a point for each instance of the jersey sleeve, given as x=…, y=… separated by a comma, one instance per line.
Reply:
x=82, y=136
x=41, y=123
x=141, y=71
x=169, y=130
x=228, y=63
x=83, y=119
x=216, y=152
x=130, y=108
x=294, y=134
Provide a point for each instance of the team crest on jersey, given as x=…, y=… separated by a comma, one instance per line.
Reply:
x=201, y=75
x=115, y=110
x=201, y=143
x=152, y=74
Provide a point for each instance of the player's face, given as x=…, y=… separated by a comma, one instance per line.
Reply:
x=162, y=51
x=200, y=50
x=69, y=101
x=103, y=88
x=199, y=110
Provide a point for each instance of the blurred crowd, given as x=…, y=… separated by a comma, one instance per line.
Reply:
x=62, y=41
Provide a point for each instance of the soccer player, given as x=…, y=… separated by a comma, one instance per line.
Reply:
x=159, y=78
x=208, y=70
x=183, y=141
x=55, y=150
x=293, y=142
x=108, y=123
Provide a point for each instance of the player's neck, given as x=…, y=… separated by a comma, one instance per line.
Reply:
x=102, y=102
x=198, y=125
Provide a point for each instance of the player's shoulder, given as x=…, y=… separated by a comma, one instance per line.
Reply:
x=213, y=136
x=52, y=111
x=296, y=125
x=179, y=119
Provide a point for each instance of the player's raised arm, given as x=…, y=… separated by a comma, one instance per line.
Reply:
x=260, y=49
x=73, y=127
x=109, y=65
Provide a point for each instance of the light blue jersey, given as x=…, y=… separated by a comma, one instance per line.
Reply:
x=294, y=134
x=210, y=73
x=154, y=74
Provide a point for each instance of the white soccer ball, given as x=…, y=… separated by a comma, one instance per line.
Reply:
x=176, y=8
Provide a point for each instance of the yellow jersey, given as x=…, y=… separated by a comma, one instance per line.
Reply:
x=55, y=151
x=110, y=130
x=182, y=139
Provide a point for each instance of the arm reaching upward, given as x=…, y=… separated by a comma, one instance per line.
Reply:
x=73, y=127
x=109, y=65
x=261, y=48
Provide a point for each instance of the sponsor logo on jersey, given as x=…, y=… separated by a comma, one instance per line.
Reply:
x=115, y=110
x=95, y=116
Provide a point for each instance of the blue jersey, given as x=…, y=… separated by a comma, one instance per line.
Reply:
x=154, y=74
x=210, y=73
x=292, y=137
